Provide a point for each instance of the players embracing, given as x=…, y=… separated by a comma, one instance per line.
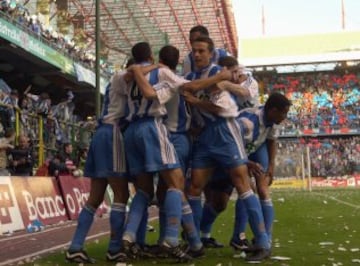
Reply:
x=158, y=111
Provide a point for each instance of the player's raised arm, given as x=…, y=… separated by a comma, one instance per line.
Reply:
x=236, y=89
x=200, y=84
x=146, y=89
x=144, y=70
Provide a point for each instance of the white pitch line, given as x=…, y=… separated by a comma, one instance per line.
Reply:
x=48, y=250
x=338, y=200
x=6, y=238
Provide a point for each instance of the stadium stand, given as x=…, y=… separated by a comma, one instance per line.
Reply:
x=323, y=103
x=325, y=117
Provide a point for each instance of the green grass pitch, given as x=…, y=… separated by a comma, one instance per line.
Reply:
x=315, y=228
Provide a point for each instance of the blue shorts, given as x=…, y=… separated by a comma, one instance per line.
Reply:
x=106, y=157
x=220, y=143
x=182, y=145
x=221, y=181
x=261, y=156
x=148, y=148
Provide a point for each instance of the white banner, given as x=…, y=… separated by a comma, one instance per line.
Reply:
x=10, y=216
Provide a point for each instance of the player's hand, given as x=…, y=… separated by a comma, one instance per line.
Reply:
x=186, y=87
x=255, y=168
x=270, y=175
x=189, y=97
x=226, y=74
x=270, y=178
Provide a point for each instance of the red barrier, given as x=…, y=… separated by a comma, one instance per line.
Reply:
x=10, y=216
x=347, y=181
x=26, y=199
x=39, y=198
x=75, y=193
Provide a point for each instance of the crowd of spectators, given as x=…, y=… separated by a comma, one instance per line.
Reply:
x=30, y=104
x=330, y=157
x=60, y=126
x=21, y=158
x=34, y=24
x=65, y=162
x=6, y=144
x=322, y=101
x=325, y=103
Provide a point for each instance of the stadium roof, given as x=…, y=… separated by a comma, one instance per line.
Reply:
x=159, y=22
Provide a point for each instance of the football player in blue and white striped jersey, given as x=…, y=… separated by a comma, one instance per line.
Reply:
x=149, y=150
x=219, y=189
x=189, y=62
x=220, y=143
x=107, y=141
x=245, y=88
x=258, y=126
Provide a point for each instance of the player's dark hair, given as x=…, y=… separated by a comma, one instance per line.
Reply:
x=130, y=62
x=278, y=101
x=141, y=52
x=169, y=56
x=228, y=61
x=200, y=28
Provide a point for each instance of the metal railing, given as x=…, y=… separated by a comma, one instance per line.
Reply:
x=46, y=132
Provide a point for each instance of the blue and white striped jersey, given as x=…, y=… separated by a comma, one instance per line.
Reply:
x=166, y=84
x=178, y=117
x=221, y=99
x=189, y=64
x=253, y=100
x=7, y=100
x=114, y=104
x=138, y=106
x=255, y=128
